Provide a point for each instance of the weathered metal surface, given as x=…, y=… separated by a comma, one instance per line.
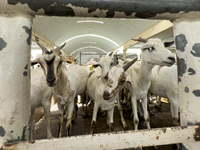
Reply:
x=116, y=140
x=15, y=40
x=187, y=39
x=104, y=8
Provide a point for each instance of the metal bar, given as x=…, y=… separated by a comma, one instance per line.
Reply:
x=115, y=140
x=15, y=42
x=150, y=32
x=160, y=9
x=125, y=50
x=187, y=49
x=80, y=58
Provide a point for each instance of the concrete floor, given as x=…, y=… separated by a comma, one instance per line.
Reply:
x=81, y=126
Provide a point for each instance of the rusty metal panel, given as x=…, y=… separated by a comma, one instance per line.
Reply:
x=107, y=9
x=115, y=140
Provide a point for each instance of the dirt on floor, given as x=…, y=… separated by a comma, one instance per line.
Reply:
x=81, y=126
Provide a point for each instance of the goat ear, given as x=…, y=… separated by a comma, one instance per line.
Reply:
x=104, y=75
x=65, y=59
x=35, y=61
x=96, y=65
x=128, y=78
x=168, y=44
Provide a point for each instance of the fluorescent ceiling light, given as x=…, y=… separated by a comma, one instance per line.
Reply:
x=88, y=47
x=92, y=35
x=93, y=21
x=89, y=42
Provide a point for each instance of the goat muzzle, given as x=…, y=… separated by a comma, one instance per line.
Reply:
x=51, y=81
x=106, y=95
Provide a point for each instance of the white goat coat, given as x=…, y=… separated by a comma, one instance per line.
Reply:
x=140, y=73
x=41, y=95
x=40, y=91
x=95, y=89
x=77, y=77
x=164, y=83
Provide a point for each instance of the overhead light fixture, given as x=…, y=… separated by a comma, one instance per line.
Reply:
x=93, y=21
x=89, y=42
x=91, y=35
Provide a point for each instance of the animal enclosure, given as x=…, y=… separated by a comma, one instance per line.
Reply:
x=15, y=40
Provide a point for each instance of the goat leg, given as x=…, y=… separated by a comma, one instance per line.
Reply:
x=93, y=126
x=60, y=125
x=69, y=126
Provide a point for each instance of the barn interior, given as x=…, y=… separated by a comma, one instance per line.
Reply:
x=97, y=36
x=92, y=29
x=93, y=38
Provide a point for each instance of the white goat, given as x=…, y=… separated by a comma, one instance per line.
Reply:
x=41, y=95
x=153, y=53
x=106, y=63
x=98, y=89
x=164, y=83
x=67, y=83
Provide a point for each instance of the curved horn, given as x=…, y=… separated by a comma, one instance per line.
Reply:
x=127, y=65
x=42, y=47
x=110, y=54
x=60, y=47
x=168, y=44
x=140, y=40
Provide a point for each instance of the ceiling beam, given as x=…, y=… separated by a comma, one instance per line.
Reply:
x=38, y=38
x=150, y=32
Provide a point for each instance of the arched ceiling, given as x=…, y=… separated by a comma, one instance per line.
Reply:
x=104, y=35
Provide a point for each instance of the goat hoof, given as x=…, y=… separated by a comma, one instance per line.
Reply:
x=91, y=131
x=111, y=126
x=60, y=135
x=151, y=113
x=68, y=131
x=156, y=147
x=176, y=122
x=125, y=128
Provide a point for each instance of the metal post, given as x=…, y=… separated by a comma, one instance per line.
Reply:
x=80, y=58
x=124, y=50
x=187, y=39
x=15, y=41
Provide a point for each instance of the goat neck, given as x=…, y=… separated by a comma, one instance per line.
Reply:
x=63, y=83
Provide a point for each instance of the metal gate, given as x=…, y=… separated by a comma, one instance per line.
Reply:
x=15, y=38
